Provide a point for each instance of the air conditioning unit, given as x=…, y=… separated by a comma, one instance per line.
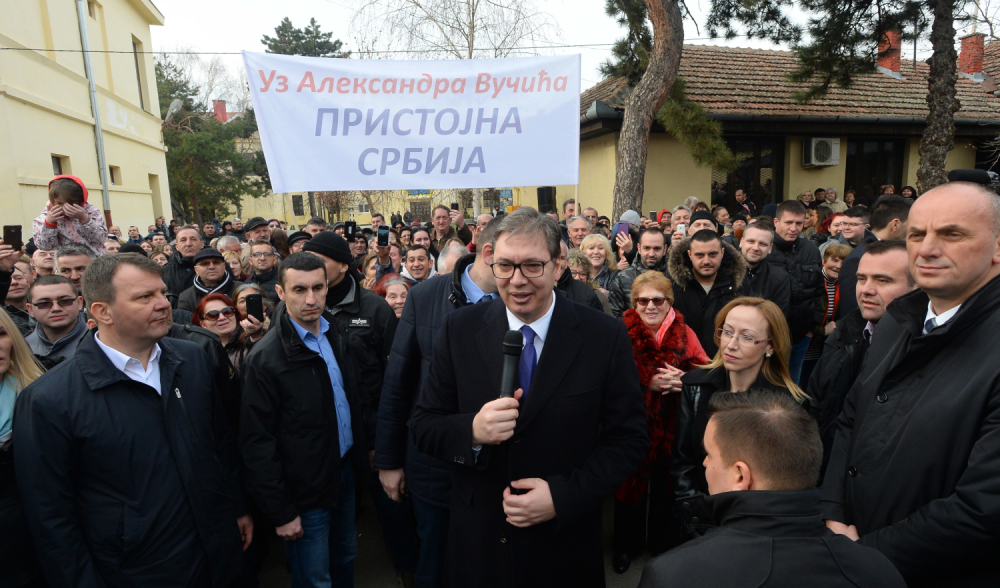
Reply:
x=820, y=152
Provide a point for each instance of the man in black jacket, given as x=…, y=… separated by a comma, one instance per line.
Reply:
x=212, y=276
x=913, y=470
x=888, y=221
x=883, y=276
x=403, y=469
x=763, y=459
x=264, y=259
x=528, y=512
x=368, y=325
x=764, y=280
x=305, y=428
x=652, y=255
x=800, y=259
x=125, y=463
x=179, y=274
x=703, y=262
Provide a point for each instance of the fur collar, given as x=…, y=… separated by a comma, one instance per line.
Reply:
x=682, y=273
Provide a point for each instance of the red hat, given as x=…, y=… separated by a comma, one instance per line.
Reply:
x=659, y=215
x=78, y=181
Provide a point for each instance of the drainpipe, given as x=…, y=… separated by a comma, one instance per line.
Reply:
x=81, y=13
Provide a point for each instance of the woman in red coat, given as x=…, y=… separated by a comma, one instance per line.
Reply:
x=664, y=348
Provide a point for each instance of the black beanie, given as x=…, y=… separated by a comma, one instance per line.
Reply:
x=331, y=245
x=703, y=215
x=131, y=247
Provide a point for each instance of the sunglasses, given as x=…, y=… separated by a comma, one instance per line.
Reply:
x=47, y=304
x=657, y=302
x=213, y=315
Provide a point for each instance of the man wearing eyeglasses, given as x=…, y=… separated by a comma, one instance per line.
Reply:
x=264, y=260
x=856, y=227
x=211, y=276
x=55, y=303
x=530, y=473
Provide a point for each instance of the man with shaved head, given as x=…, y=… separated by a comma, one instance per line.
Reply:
x=914, y=466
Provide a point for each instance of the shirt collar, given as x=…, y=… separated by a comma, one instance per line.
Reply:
x=120, y=360
x=324, y=326
x=940, y=319
x=473, y=293
x=540, y=326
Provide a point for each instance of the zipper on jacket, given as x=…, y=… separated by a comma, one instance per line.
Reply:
x=177, y=392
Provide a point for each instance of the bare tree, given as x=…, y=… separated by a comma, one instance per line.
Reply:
x=452, y=29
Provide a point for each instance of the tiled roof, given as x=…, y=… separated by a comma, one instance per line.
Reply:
x=740, y=81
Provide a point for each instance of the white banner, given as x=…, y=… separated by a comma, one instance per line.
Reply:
x=347, y=124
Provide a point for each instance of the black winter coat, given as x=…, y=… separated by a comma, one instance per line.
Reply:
x=699, y=309
x=368, y=324
x=582, y=428
x=802, y=262
x=620, y=292
x=773, y=540
x=579, y=292
x=915, y=458
x=17, y=551
x=190, y=298
x=848, y=278
x=769, y=282
x=427, y=304
x=178, y=275
x=267, y=282
x=126, y=487
x=226, y=380
x=288, y=422
x=835, y=373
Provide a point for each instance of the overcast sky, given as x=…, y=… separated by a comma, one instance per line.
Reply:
x=235, y=25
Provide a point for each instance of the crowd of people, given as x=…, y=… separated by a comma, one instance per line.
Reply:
x=797, y=394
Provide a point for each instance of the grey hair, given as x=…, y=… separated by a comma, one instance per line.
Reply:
x=226, y=240
x=97, y=284
x=681, y=207
x=572, y=219
x=252, y=286
x=75, y=249
x=529, y=222
x=455, y=250
x=690, y=202
x=395, y=280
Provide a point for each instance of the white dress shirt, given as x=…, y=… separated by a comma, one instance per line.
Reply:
x=540, y=326
x=132, y=367
x=940, y=319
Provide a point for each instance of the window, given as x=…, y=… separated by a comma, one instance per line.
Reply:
x=872, y=163
x=363, y=207
x=759, y=174
x=114, y=175
x=298, y=209
x=139, y=70
x=91, y=10
x=57, y=165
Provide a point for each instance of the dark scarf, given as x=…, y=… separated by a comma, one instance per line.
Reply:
x=338, y=293
x=199, y=286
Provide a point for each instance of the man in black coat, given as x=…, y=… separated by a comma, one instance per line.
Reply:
x=651, y=256
x=888, y=221
x=695, y=263
x=800, y=259
x=764, y=280
x=212, y=276
x=528, y=512
x=763, y=458
x=126, y=465
x=264, y=259
x=179, y=274
x=402, y=467
x=914, y=465
x=883, y=276
x=305, y=428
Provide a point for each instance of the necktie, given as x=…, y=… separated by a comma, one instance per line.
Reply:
x=929, y=325
x=485, y=298
x=526, y=367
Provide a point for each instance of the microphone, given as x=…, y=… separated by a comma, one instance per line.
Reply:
x=513, y=342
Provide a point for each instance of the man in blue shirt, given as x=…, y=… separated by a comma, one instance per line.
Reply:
x=305, y=428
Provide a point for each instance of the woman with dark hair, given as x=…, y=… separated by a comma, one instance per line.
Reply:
x=849, y=197
x=664, y=348
x=909, y=192
x=19, y=565
x=279, y=240
x=754, y=349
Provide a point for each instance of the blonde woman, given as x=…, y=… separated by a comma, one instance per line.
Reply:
x=754, y=348
x=18, y=368
x=597, y=248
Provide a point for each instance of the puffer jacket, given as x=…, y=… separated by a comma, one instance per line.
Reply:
x=92, y=233
x=620, y=292
x=699, y=309
x=802, y=261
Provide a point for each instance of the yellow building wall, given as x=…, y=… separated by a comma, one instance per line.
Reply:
x=45, y=109
x=799, y=179
x=672, y=175
x=963, y=156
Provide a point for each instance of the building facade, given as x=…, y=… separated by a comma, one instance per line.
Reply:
x=46, y=122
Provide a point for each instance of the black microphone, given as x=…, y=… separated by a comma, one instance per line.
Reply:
x=513, y=342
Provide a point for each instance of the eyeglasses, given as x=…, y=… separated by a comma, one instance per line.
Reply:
x=259, y=254
x=47, y=304
x=744, y=340
x=657, y=301
x=213, y=315
x=529, y=269
x=578, y=273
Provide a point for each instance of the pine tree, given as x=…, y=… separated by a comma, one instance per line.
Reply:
x=308, y=42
